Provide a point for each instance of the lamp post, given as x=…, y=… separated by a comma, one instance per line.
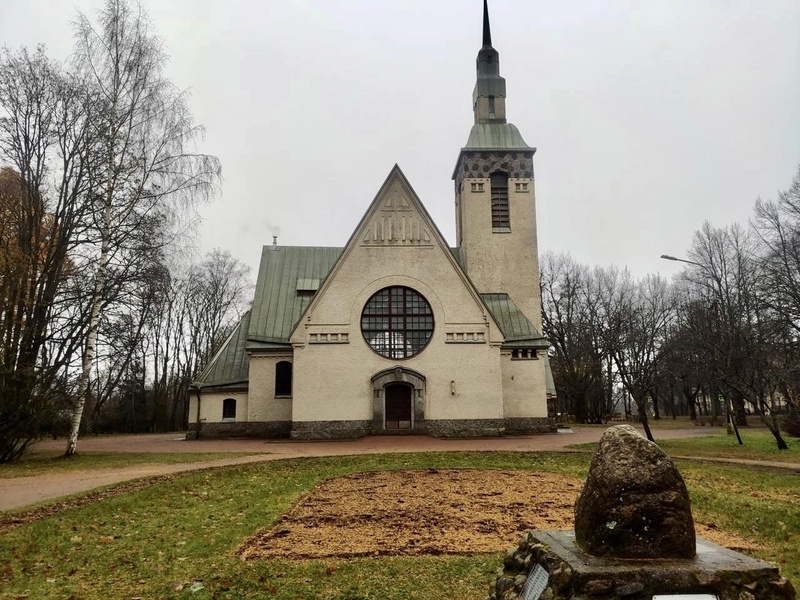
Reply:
x=728, y=403
x=691, y=262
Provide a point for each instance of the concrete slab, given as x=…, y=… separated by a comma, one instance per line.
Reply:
x=710, y=558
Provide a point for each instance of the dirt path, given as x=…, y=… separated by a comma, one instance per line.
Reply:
x=23, y=491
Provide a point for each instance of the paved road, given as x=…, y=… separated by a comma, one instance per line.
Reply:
x=23, y=491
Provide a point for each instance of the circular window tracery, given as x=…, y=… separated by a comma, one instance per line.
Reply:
x=397, y=322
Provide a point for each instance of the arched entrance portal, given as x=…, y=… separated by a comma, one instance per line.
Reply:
x=398, y=397
x=397, y=410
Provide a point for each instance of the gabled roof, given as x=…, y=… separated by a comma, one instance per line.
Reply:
x=432, y=235
x=283, y=290
x=230, y=364
x=517, y=330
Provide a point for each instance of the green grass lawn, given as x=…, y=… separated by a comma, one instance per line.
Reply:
x=37, y=463
x=759, y=444
x=178, y=539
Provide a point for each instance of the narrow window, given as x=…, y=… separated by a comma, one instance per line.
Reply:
x=283, y=378
x=491, y=106
x=228, y=410
x=500, y=212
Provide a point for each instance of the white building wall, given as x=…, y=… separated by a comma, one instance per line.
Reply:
x=523, y=387
x=263, y=404
x=211, y=406
x=333, y=362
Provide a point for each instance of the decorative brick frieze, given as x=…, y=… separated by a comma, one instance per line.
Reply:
x=518, y=165
x=465, y=337
x=328, y=338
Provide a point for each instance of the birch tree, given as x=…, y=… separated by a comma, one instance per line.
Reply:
x=147, y=164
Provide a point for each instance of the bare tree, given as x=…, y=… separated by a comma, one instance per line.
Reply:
x=636, y=319
x=146, y=162
x=44, y=136
x=740, y=343
x=201, y=304
x=571, y=322
x=777, y=224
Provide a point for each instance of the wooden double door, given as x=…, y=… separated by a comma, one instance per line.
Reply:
x=399, y=407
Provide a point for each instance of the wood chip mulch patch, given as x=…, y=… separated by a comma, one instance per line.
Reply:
x=413, y=512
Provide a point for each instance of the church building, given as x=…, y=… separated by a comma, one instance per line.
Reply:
x=397, y=332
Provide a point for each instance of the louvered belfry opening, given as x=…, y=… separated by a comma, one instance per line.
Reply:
x=500, y=213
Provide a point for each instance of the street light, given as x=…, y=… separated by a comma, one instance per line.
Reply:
x=691, y=262
x=728, y=403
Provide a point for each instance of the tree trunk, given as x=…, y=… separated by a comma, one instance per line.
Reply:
x=656, y=413
x=772, y=424
x=640, y=399
x=84, y=383
x=738, y=410
x=642, y=406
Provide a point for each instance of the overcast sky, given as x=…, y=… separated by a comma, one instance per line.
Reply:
x=649, y=117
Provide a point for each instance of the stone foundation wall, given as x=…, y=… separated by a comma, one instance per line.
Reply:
x=264, y=429
x=522, y=425
x=330, y=430
x=464, y=428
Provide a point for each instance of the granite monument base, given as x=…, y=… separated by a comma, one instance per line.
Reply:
x=571, y=573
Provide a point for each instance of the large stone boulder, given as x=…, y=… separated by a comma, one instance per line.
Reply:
x=634, y=503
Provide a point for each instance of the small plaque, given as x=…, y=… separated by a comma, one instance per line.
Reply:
x=535, y=584
x=686, y=597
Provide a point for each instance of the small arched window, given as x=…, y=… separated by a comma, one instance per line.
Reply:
x=283, y=378
x=501, y=218
x=228, y=410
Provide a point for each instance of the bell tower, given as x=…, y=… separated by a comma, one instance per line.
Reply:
x=495, y=200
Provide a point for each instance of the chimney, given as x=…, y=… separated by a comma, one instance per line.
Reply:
x=274, y=242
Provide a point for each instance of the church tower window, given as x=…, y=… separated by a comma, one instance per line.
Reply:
x=397, y=322
x=501, y=217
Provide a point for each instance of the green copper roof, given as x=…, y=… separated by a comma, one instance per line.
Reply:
x=517, y=329
x=230, y=365
x=284, y=290
x=495, y=136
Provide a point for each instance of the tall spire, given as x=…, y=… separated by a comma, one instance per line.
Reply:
x=488, y=98
x=487, y=31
